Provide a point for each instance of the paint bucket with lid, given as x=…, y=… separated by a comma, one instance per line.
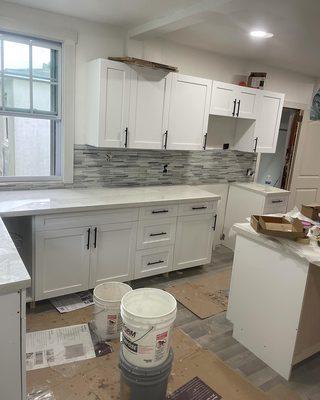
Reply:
x=148, y=316
x=144, y=383
x=107, y=299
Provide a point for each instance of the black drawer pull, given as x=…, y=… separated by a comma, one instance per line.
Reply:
x=276, y=201
x=155, y=262
x=199, y=208
x=88, y=239
x=159, y=211
x=158, y=234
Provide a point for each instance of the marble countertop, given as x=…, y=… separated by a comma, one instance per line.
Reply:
x=309, y=252
x=13, y=274
x=265, y=190
x=36, y=202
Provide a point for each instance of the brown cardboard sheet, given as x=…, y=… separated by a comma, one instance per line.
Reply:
x=206, y=296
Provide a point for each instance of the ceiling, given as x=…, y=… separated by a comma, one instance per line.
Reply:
x=221, y=25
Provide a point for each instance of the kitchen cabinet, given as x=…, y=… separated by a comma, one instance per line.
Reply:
x=194, y=240
x=153, y=261
x=234, y=101
x=268, y=124
x=108, y=96
x=62, y=261
x=113, y=252
x=149, y=108
x=189, y=113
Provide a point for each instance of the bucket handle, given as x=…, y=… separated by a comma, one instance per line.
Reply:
x=143, y=336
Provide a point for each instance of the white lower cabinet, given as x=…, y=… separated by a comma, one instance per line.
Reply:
x=62, y=261
x=194, y=240
x=113, y=253
x=153, y=261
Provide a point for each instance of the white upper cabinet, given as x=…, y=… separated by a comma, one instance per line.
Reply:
x=108, y=103
x=230, y=100
x=268, y=123
x=149, y=107
x=189, y=113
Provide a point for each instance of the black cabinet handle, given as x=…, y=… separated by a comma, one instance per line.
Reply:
x=158, y=234
x=234, y=107
x=256, y=144
x=238, y=108
x=95, y=237
x=165, y=139
x=276, y=201
x=155, y=262
x=159, y=211
x=215, y=222
x=205, y=141
x=126, y=138
x=88, y=238
x=199, y=208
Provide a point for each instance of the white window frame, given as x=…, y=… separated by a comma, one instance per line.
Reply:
x=68, y=42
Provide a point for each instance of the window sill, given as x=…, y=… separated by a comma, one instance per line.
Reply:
x=35, y=183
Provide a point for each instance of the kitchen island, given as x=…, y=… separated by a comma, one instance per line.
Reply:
x=274, y=298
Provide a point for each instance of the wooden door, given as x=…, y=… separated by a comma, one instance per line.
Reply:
x=189, y=112
x=194, y=240
x=149, y=108
x=113, y=253
x=305, y=182
x=268, y=121
x=114, y=103
x=61, y=262
x=223, y=99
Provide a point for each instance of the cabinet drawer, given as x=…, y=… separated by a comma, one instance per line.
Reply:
x=199, y=207
x=276, y=204
x=160, y=211
x=85, y=218
x=154, y=233
x=153, y=261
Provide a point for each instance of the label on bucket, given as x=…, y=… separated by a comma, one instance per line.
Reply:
x=148, y=346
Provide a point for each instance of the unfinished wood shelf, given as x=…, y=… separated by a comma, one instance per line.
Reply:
x=144, y=63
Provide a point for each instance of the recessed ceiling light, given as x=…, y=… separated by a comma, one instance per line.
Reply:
x=261, y=34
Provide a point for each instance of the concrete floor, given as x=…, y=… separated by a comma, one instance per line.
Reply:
x=214, y=333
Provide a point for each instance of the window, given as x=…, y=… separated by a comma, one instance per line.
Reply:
x=30, y=108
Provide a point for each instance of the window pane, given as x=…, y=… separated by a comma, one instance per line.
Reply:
x=16, y=93
x=27, y=147
x=44, y=65
x=16, y=58
x=44, y=96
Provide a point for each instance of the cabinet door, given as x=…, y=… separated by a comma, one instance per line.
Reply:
x=113, y=253
x=189, y=112
x=194, y=240
x=268, y=121
x=153, y=261
x=223, y=99
x=61, y=262
x=149, y=108
x=114, y=103
x=247, y=102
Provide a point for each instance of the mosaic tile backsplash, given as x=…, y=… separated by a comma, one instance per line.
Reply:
x=94, y=167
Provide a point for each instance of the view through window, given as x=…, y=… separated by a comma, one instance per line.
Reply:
x=30, y=123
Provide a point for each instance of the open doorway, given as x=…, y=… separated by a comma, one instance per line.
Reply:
x=276, y=168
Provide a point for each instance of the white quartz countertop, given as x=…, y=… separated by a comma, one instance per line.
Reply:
x=36, y=202
x=13, y=274
x=265, y=190
x=309, y=252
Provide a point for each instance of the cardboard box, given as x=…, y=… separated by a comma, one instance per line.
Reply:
x=311, y=211
x=277, y=226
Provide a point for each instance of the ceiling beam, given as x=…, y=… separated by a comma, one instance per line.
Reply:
x=179, y=19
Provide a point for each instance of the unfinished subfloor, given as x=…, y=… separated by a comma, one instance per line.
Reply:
x=213, y=333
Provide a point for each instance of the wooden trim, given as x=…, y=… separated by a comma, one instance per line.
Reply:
x=144, y=63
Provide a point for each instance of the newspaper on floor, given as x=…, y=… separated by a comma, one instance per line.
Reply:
x=58, y=346
x=72, y=302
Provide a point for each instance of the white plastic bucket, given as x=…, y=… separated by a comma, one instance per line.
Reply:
x=148, y=316
x=107, y=299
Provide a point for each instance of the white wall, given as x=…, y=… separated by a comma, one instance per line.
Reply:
x=93, y=40
x=297, y=87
